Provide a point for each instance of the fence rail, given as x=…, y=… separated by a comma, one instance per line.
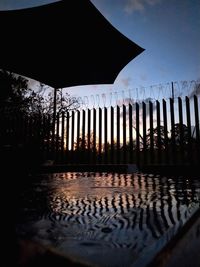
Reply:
x=164, y=132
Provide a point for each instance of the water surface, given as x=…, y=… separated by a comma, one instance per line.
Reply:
x=115, y=220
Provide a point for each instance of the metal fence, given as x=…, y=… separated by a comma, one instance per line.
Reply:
x=162, y=132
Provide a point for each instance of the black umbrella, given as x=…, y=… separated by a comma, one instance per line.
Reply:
x=63, y=44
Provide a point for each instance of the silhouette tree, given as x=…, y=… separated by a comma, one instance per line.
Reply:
x=44, y=102
x=156, y=137
x=181, y=134
x=14, y=93
x=86, y=143
x=17, y=96
x=26, y=118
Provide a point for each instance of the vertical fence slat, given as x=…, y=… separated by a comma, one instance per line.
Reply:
x=151, y=139
x=67, y=138
x=118, y=134
x=100, y=134
x=83, y=141
x=78, y=123
x=196, y=114
x=130, y=133
x=137, y=134
x=173, y=141
x=188, y=116
x=197, y=143
x=105, y=135
x=62, y=135
x=48, y=135
x=124, y=134
x=112, y=134
x=94, y=135
x=159, y=155
x=53, y=125
x=144, y=133
x=52, y=135
x=72, y=137
x=189, y=144
x=43, y=137
x=166, y=147
x=89, y=135
x=181, y=149
x=57, y=136
x=78, y=130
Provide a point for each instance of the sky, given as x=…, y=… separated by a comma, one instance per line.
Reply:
x=167, y=30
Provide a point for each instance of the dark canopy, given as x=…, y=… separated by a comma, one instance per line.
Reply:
x=63, y=44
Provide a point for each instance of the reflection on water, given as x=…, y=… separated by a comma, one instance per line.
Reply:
x=108, y=219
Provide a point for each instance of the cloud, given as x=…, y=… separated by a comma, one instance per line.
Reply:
x=126, y=81
x=133, y=5
x=143, y=77
x=139, y=5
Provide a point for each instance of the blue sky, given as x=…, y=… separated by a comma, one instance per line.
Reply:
x=168, y=30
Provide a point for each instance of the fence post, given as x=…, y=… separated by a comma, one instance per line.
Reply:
x=130, y=133
x=88, y=134
x=83, y=137
x=94, y=135
x=165, y=131
x=105, y=135
x=100, y=134
x=118, y=134
x=159, y=155
x=151, y=132
x=72, y=137
x=144, y=133
x=124, y=134
x=78, y=136
x=173, y=141
x=62, y=135
x=57, y=136
x=196, y=114
x=67, y=138
x=54, y=123
x=180, y=108
x=137, y=134
x=189, y=145
x=48, y=132
x=112, y=134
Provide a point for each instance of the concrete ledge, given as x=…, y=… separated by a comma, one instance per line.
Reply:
x=174, y=170
x=183, y=249
x=117, y=168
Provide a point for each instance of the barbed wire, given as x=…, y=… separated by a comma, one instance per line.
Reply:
x=139, y=94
